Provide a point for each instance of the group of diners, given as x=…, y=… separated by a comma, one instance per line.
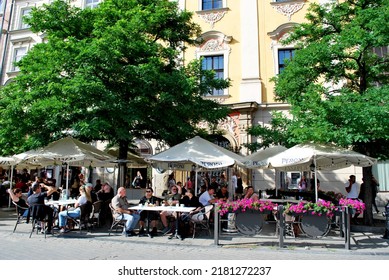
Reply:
x=177, y=195
x=56, y=215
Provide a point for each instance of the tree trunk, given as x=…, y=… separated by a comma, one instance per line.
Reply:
x=368, y=195
x=123, y=150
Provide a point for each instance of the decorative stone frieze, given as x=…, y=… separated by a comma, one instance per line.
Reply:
x=288, y=8
x=212, y=16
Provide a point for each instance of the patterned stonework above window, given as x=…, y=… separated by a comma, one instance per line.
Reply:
x=212, y=16
x=215, y=44
x=230, y=125
x=288, y=8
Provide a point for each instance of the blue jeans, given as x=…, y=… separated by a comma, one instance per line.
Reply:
x=62, y=216
x=131, y=220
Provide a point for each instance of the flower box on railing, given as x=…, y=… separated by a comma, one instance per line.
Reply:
x=243, y=205
x=354, y=205
x=320, y=208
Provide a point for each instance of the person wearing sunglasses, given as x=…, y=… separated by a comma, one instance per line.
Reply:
x=151, y=216
x=171, y=199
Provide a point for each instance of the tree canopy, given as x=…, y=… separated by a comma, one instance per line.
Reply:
x=337, y=82
x=111, y=73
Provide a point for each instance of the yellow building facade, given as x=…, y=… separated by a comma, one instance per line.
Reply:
x=240, y=41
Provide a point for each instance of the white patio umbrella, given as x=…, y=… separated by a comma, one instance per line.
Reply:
x=260, y=159
x=67, y=150
x=313, y=156
x=76, y=153
x=194, y=153
x=11, y=163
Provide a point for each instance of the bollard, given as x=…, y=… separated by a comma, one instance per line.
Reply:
x=386, y=214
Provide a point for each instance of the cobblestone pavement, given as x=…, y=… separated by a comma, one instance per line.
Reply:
x=98, y=245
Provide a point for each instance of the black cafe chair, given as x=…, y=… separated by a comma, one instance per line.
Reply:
x=37, y=214
x=85, y=219
x=201, y=220
x=20, y=215
x=117, y=219
x=96, y=210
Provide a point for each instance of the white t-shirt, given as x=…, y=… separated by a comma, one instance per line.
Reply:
x=354, y=190
x=205, y=198
x=82, y=200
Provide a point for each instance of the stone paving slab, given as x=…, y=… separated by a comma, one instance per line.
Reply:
x=362, y=243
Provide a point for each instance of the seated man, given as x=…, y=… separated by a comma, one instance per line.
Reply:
x=222, y=194
x=121, y=205
x=207, y=197
x=38, y=198
x=151, y=216
x=172, y=199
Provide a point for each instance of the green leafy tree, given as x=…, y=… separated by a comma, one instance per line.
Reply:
x=110, y=73
x=337, y=83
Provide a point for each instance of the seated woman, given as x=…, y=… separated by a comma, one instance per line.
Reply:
x=16, y=196
x=74, y=213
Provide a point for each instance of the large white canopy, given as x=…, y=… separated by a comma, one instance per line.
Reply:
x=260, y=159
x=196, y=151
x=313, y=156
x=324, y=157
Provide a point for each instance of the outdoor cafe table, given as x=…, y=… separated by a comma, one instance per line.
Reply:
x=60, y=202
x=177, y=209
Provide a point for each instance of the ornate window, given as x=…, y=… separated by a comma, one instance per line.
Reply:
x=281, y=52
x=215, y=51
x=211, y=11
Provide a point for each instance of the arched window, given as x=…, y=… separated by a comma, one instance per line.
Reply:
x=143, y=148
x=281, y=53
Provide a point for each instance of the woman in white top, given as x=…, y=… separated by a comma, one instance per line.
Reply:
x=76, y=212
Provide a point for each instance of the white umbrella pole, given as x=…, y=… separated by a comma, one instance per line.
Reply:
x=316, y=192
x=114, y=182
x=196, y=180
x=277, y=180
x=67, y=179
x=10, y=186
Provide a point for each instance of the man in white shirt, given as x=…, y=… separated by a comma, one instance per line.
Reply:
x=207, y=197
x=352, y=188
